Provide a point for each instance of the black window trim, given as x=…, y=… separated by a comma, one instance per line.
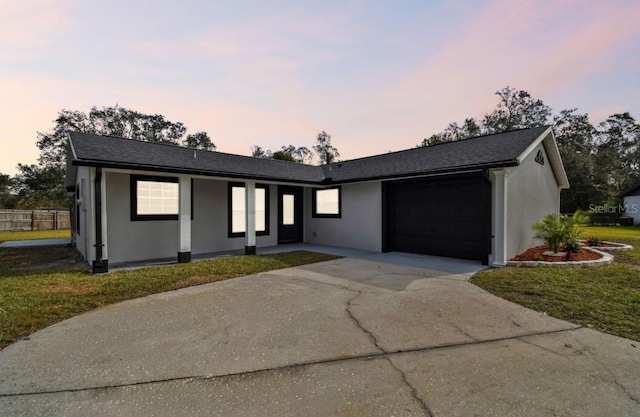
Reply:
x=134, y=199
x=265, y=232
x=314, y=212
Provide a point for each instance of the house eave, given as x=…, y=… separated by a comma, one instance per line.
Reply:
x=321, y=182
x=631, y=192
x=71, y=172
x=183, y=171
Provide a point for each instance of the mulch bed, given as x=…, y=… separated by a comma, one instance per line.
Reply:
x=530, y=254
x=609, y=245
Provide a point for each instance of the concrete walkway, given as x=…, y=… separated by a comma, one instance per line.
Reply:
x=35, y=242
x=349, y=337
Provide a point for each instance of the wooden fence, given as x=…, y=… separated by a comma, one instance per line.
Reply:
x=12, y=220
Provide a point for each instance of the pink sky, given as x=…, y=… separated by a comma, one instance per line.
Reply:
x=377, y=76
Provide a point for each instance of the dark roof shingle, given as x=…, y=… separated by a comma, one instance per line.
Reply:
x=480, y=152
x=129, y=153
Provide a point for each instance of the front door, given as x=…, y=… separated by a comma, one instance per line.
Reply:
x=289, y=214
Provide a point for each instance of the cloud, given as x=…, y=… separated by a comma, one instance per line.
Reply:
x=27, y=27
x=375, y=78
x=533, y=45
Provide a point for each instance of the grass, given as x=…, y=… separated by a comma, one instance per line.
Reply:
x=36, y=234
x=32, y=299
x=605, y=298
x=625, y=234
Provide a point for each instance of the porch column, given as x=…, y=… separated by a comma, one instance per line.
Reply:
x=250, y=223
x=184, y=219
x=500, y=217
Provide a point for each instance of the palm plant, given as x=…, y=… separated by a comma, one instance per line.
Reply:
x=560, y=231
x=551, y=230
x=574, y=231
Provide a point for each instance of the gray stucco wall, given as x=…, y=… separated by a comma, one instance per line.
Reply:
x=632, y=208
x=360, y=226
x=137, y=240
x=532, y=193
x=209, y=228
x=143, y=240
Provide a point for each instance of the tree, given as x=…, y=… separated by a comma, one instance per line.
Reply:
x=258, y=152
x=618, y=152
x=7, y=199
x=114, y=121
x=52, y=144
x=200, y=140
x=5, y=183
x=601, y=162
x=40, y=186
x=516, y=110
x=43, y=184
x=301, y=155
x=574, y=134
x=453, y=132
x=283, y=156
x=326, y=152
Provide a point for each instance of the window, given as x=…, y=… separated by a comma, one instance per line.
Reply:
x=327, y=202
x=288, y=209
x=237, y=209
x=154, y=198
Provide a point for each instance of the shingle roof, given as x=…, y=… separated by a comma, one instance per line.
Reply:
x=117, y=152
x=501, y=149
x=481, y=152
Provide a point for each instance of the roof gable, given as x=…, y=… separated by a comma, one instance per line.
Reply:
x=548, y=140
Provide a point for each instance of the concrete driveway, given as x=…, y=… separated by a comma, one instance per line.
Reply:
x=349, y=337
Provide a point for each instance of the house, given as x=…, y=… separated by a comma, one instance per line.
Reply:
x=631, y=204
x=473, y=199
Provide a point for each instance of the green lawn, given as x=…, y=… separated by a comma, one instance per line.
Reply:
x=37, y=234
x=625, y=234
x=31, y=299
x=605, y=298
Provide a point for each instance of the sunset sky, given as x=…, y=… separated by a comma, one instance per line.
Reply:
x=376, y=75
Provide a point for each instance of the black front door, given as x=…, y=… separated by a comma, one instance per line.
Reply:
x=289, y=214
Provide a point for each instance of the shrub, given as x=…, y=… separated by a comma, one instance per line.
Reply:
x=572, y=246
x=551, y=230
x=573, y=225
x=593, y=241
x=560, y=231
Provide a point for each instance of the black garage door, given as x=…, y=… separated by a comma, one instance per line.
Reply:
x=445, y=217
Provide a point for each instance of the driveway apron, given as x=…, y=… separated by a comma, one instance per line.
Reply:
x=349, y=337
